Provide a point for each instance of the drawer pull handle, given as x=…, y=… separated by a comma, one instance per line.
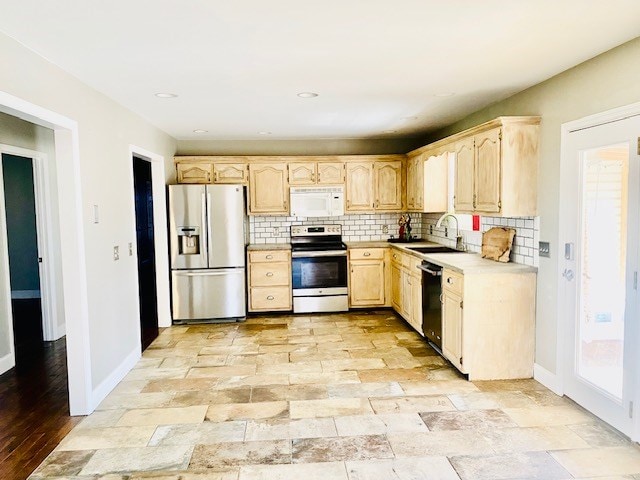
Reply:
x=269, y=274
x=449, y=280
x=269, y=257
x=366, y=254
x=270, y=297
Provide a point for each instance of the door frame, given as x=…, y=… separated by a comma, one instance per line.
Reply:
x=46, y=247
x=160, y=229
x=72, y=245
x=562, y=334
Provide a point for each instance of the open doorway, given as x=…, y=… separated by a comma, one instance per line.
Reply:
x=24, y=257
x=145, y=243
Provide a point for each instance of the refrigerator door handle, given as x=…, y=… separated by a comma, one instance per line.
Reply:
x=204, y=246
x=209, y=229
x=208, y=273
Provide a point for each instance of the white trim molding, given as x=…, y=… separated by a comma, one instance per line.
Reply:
x=109, y=383
x=7, y=362
x=548, y=379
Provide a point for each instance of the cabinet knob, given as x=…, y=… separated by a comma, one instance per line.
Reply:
x=270, y=297
x=366, y=254
x=449, y=280
x=269, y=257
x=269, y=274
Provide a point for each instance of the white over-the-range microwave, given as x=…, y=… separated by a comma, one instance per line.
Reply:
x=317, y=201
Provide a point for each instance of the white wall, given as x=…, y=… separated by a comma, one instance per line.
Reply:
x=607, y=81
x=106, y=131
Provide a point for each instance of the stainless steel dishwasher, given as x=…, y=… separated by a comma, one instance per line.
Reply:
x=431, y=303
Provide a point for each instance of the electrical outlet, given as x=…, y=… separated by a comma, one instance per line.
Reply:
x=116, y=253
x=276, y=231
x=385, y=229
x=544, y=249
x=446, y=232
x=430, y=229
x=131, y=249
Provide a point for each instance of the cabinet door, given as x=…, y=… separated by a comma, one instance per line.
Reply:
x=452, y=328
x=330, y=173
x=194, y=173
x=302, y=173
x=412, y=184
x=464, y=191
x=407, y=309
x=269, y=190
x=230, y=173
x=366, y=283
x=416, y=303
x=359, y=186
x=487, y=177
x=435, y=183
x=396, y=287
x=388, y=185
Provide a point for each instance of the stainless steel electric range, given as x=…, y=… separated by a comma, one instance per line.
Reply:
x=319, y=269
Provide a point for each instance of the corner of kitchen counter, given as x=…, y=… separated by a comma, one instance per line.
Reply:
x=253, y=247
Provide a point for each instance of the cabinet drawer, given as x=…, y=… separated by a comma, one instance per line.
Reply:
x=270, y=273
x=366, y=254
x=269, y=256
x=270, y=298
x=396, y=256
x=452, y=281
x=412, y=264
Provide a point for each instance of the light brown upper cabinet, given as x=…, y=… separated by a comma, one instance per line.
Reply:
x=359, y=189
x=268, y=189
x=194, y=172
x=237, y=173
x=427, y=182
x=388, y=185
x=497, y=168
x=316, y=173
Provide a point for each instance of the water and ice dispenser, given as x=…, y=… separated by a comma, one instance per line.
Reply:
x=189, y=240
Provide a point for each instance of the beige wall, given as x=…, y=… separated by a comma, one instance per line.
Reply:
x=605, y=82
x=298, y=147
x=106, y=131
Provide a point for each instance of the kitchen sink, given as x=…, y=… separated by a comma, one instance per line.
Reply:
x=434, y=250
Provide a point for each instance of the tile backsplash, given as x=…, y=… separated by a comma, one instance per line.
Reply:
x=371, y=227
x=355, y=228
x=525, y=243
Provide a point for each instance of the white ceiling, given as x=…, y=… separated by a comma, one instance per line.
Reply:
x=237, y=65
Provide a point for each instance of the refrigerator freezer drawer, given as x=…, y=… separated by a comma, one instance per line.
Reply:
x=208, y=294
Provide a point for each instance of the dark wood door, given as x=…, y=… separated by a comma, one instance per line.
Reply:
x=146, y=251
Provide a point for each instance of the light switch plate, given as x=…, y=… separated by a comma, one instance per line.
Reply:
x=116, y=253
x=544, y=249
x=131, y=249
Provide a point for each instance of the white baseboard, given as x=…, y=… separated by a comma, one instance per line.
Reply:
x=24, y=294
x=548, y=379
x=101, y=391
x=7, y=363
x=61, y=331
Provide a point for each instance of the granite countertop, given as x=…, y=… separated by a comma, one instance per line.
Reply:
x=460, y=262
x=268, y=246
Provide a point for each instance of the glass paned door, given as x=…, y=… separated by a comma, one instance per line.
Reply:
x=600, y=211
x=603, y=269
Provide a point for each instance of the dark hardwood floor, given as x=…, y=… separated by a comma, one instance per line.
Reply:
x=34, y=406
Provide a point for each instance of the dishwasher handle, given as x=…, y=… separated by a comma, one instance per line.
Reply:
x=428, y=269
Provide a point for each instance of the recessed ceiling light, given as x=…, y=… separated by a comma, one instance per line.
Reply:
x=200, y=131
x=409, y=118
x=389, y=131
x=165, y=95
x=307, y=94
x=264, y=133
x=444, y=94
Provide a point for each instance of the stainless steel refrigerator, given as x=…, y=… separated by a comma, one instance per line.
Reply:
x=207, y=229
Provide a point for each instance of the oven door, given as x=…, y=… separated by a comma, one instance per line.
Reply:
x=319, y=273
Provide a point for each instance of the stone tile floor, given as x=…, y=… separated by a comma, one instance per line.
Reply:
x=356, y=396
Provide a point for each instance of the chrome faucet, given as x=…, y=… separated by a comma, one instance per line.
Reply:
x=446, y=216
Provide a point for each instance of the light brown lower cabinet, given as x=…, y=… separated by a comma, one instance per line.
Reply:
x=406, y=288
x=368, y=286
x=269, y=278
x=488, y=328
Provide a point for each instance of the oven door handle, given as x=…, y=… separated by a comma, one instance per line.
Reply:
x=324, y=253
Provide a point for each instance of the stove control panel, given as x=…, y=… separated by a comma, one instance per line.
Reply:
x=315, y=230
